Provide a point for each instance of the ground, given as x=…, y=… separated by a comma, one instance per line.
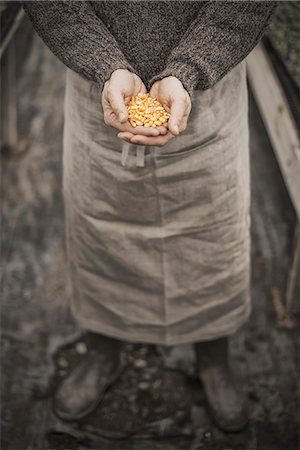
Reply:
x=158, y=403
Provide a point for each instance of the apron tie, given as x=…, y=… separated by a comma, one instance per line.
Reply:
x=140, y=154
x=125, y=153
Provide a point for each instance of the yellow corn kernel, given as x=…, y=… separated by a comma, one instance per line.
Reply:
x=146, y=111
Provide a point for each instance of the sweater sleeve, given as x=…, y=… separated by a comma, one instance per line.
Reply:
x=221, y=36
x=78, y=37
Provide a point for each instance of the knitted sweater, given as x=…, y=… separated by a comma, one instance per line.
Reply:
x=196, y=41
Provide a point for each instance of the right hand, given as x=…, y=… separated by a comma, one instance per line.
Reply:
x=116, y=93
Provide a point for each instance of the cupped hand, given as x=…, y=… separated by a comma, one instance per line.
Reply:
x=116, y=93
x=175, y=99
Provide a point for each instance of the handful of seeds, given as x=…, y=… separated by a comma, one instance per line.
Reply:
x=146, y=111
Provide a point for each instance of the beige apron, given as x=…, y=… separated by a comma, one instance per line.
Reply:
x=158, y=249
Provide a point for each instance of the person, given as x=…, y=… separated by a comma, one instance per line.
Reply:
x=158, y=247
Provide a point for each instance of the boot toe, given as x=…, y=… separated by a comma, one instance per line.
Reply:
x=231, y=422
x=70, y=407
x=81, y=392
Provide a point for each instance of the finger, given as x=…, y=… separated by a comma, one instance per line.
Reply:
x=106, y=108
x=125, y=136
x=158, y=141
x=162, y=130
x=140, y=87
x=154, y=90
x=165, y=126
x=111, y=119
x=117, y=103
x=178, y=109
x=183, y=124
x=149, y=131
x=113, y=122
x=145, y=131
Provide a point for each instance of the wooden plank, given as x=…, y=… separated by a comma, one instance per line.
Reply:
x=13, y=29
x=293, y=278
x=9, y=137
x=278, y=120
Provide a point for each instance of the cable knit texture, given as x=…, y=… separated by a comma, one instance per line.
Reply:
x=196, y=41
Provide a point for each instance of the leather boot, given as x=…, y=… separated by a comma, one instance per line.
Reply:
x=224, y=398
x=82, y=391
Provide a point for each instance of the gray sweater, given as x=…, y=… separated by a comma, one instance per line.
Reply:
x=196, y=41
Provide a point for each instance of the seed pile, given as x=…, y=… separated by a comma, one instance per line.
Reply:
x=146, y=111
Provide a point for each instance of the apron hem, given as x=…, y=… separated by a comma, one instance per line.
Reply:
x=145, y=338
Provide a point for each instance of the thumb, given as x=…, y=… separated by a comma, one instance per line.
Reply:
x=177, y=112
x=117, y=104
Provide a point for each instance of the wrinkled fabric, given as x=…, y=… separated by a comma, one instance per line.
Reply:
x=158, y=237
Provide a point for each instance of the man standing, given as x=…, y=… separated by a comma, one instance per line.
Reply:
x=158, y=248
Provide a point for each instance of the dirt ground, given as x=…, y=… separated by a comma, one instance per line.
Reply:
x=158, y=403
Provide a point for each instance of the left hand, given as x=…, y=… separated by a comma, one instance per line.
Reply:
x=175, y=99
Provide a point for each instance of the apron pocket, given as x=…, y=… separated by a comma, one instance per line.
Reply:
x=208, y=141
x=201, y=131
x=137, y=192
x=104, y=165
x=76, y=170
x=122, y=193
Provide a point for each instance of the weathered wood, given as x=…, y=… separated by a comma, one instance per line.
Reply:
x=9, y=67
x=277, y=118
x=294, y=276
x=18, y=19
x=9, y=138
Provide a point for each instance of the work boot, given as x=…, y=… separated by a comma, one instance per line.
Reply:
x=224, y=398
x=82, y=391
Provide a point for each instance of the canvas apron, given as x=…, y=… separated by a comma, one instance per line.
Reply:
x=158, y=249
